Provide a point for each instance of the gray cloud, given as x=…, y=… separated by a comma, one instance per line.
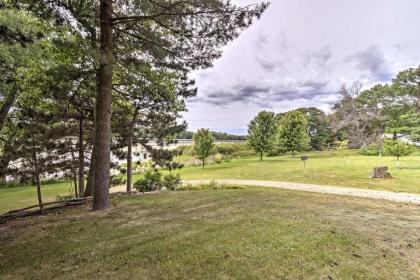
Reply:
x=373, y=61
x=264, y=95
x=263, y=46
x=318, y=57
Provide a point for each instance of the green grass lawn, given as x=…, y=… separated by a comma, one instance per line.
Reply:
x=251, y=233
x=324, y=168
x=19, y=197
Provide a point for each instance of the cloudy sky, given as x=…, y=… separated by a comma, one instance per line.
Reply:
x=299, y=53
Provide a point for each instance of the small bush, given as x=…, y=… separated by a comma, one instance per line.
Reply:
x=370, y=151
x=243, y=154
x=171, y=181
x=210, y=186
x=218, y=158
x=184, y=150
x=152, y=181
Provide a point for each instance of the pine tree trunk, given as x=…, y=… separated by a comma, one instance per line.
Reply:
x=81, y=156
x=103, y=110
x=129, y=163
x=91, y=175
x=73, y=170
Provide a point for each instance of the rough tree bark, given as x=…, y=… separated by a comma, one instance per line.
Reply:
x=81, y=156
x=103, y=109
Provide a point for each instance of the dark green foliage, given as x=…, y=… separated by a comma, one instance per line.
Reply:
x=152, y=181
x=319, y=128
x=292, y=133
x=171, y=181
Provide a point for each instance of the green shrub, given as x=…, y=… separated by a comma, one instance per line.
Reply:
x=171, y=181
x=243, y=154
x=218, y=158
x=227, y=149
x=370, y=150
x=184, y=150
x=152, y=181
x=210, y=186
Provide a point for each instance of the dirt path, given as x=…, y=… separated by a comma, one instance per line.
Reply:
x=393, y=196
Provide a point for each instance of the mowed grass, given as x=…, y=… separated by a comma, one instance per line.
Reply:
x=252, y=233
x=325, y=168
x=19, y=197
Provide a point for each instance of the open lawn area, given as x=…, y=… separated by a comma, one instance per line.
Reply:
x=324, y=168
x=252, y=233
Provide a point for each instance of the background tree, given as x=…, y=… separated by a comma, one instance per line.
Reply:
x=292, y=132
x=398, y=149
x=203, y=144
x=319, y=128
x=261, y=131
x=149, y=106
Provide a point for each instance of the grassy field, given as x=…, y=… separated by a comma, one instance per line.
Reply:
x=324, y=168
x=19, y=197
x=252, y=233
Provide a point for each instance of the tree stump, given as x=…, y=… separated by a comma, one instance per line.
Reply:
x=381, y=172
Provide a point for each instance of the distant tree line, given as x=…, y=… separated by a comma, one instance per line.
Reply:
x=217, y=135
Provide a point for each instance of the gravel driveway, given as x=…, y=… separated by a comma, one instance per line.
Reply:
x=393, y=196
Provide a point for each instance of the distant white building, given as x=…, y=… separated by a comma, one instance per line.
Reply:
x=405, y=138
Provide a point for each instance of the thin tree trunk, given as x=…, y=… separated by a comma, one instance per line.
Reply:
x=103, y=109
x=81, y=156
x=37, y=179
x=129, y=163
x=398, y=162
x=261, y=155
x=73, y=170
